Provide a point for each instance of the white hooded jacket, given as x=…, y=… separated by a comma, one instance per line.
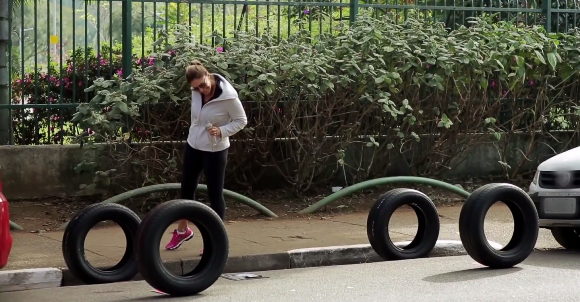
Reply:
x=225, y=112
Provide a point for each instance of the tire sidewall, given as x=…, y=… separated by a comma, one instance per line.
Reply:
x=74, y=239
x=378, y=224
x=212, y=263
x=472, y=231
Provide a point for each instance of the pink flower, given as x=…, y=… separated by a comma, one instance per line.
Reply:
x=139, y=61
x=492, y=83
x=531, y=82
x=120, y=72
x=171, y=52
x=80, y=83
x=219, y=49
x=151, y=61
x=428, y=66
x=67, y=80
x=306, y=11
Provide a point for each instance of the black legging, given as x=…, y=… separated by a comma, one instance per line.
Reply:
x=213, y=164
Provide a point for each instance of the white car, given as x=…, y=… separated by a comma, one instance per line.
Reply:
x=555, y=191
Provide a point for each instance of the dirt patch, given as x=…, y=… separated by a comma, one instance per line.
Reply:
x=47, y=214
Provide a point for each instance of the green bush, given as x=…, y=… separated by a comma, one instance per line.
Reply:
x=54, y=85
x=343, y=105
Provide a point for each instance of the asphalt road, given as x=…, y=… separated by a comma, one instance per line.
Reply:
x=545, y=276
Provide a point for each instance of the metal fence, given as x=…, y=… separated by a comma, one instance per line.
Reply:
x=59, y=46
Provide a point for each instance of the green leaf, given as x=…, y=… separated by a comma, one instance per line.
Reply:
x=470, y=44
x=123, y=107
x=566, y=72
x=483, y=83
x=520, y=61
x=174, y=97
x=540, y=57
x=269, y=88
x=414, y=135
x=329, y=84
x=77, y=117
x=83, y=108
x=489, y=120
x=552, y=60
x=445, y=122
x=436, y=111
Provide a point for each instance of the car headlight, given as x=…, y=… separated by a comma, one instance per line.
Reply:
x=536, y=177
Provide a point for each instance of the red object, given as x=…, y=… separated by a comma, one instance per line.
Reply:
x=5, y=237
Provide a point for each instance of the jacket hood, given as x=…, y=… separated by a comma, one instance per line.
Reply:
x=228, y=91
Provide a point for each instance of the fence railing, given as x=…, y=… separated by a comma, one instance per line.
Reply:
x=58, y=47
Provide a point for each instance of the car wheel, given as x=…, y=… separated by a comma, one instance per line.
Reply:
x=569, y=238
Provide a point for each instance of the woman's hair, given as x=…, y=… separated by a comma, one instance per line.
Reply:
x=195, y=71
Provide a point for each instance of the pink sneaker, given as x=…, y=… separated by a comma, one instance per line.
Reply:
x=178, y=239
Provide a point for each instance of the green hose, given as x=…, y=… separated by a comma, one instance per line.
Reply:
x=311, y=209
x=176, y=186
x=15, y=227
x=383, y=181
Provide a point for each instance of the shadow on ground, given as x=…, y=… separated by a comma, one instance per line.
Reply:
x=567, y=259
x=470, y=274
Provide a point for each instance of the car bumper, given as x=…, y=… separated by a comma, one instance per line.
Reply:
x=549, y=220
x=559, y=223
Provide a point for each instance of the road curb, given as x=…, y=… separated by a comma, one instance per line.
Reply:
x=33, y=278
x=298, y=258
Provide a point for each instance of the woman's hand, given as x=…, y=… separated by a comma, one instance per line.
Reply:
x=215, y=131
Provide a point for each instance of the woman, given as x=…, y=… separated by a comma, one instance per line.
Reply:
x=216, y=114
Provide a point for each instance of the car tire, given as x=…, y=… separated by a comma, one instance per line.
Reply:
x=215, y=247
x=378, y=225
x=471, y=225
x=569, y=238
x=73, y=243
x=372, y=215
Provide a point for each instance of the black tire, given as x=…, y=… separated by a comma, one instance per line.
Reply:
x=373, y=213
x=378, y=225
x=73, y=243
x=471, y=225
x=569, y=238
x=215, y=247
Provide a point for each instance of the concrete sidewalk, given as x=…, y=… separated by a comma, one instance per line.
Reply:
x=105, y=246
